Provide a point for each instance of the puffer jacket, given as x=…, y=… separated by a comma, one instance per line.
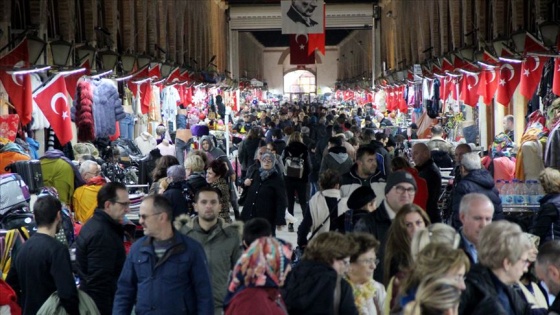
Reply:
x=481, y=297
x=100, y=256
x=337, y=160
x=309, y=289
x=178, y=283
x=476, y=181
x=222, y=245
x=546, y=223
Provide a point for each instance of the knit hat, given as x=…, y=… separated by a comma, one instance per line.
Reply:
x=398, y=177
x=360, y=197
x=305, y=130
x=176, y=173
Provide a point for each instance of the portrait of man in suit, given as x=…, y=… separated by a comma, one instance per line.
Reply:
x=302, y=16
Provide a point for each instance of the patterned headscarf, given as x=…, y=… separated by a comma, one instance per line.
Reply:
x=264, y=264
x=502, y=145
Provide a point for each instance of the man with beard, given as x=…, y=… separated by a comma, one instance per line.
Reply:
x=221, y=241
x=364, y=172
x=42, y=265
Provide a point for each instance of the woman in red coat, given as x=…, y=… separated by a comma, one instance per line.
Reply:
x=257, y=278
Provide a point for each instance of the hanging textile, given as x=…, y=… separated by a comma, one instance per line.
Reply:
x=9, y=126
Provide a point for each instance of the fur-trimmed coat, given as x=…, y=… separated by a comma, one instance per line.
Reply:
x=107, y=107
x=222, y=245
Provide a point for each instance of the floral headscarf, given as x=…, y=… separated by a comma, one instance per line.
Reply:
x=264, y=264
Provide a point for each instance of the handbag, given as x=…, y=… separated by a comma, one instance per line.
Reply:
x=243, y=197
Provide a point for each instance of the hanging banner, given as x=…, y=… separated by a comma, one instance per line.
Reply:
x=302, y=16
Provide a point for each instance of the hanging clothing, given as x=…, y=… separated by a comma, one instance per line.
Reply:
x=155, y=104
x=145, y=142
x=170, y=97
x=529, y=161
x=107, y=107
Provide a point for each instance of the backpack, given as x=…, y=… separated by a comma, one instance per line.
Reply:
x=442, y=159
x=293, y=166
x=9, y=244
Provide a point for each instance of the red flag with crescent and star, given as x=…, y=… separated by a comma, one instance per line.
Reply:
x=510, y=74
x=531, y=71
x=52, y=99
x=298, y=50
x=18, y=87
x=469, y=88
x=488, y=85
x=18, y=56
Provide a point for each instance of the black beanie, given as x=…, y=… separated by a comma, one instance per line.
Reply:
x=360, y=197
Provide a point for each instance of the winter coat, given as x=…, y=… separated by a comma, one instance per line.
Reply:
x=176, y=196
x=257, y=301
x=225, y=200
x=178, y=283
x=82, y=112
x=197, y=181
x=247, y=150
x=222, y=245
x=266, y=199
x=280, y=145
x=430, y=172
x=377, y=223
x=217, y=153
x=107, y=107
x=337, y=160
x=298, y=149
x=84, y=200
x=309, y=289
x=100, y=257
x=350, y=181
x=481, y=296
x=379, y=148
x=546, y=222
x=476, y=181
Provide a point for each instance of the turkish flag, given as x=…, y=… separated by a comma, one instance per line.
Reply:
x=18, y=87
x=317, y=41
x=53, y=102
x=531, y=71
x=469, y=88
x=403, y=107
x=348, y=95
x=450, y=88
x=298, y=50
x=510, y=74
x=174, y=76
x=142, y=74
x=19, y=56
x=533, y=45
x=556, y=78
x=446, y=65
x=155, y=72
x=488, y=85
x=72, y=79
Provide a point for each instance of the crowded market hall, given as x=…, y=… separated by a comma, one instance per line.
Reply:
x=352, y=157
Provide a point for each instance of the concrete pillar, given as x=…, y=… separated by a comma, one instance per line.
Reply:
x=482, y=117
x=234, y=54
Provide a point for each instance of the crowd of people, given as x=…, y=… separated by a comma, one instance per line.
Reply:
x=372, y=239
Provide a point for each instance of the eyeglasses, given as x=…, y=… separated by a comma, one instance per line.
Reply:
x=145, y=216
x=402, y=190
x=369, y=261
x=124, y=204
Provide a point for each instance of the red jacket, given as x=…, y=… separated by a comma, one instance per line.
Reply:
x=8, y=298
x=421, y=197
x=257, y=301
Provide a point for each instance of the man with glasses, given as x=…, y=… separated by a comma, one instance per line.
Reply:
x=399, y=191
x=100, y=250
x=165, y=272
x=428, y=170
x=84, y=198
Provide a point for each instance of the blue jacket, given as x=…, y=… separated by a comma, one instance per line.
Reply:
x=179, y=283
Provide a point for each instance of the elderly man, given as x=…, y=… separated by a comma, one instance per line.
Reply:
x=85, y=197
x=441, y=149
x=548, y=270
x=460, y=150
x=475, y=180
x=399, y=191
x=429, y=171
x=475, y=212
x=165, y=272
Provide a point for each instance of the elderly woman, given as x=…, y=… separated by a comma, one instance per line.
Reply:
x=369, y=295
x=215, y=176
x=439, y=233
x=312, y=284
x=257, y=277
x=266, y=195
x=546, y=223
x=433, y=262
x=503, y=255
x=437, y=297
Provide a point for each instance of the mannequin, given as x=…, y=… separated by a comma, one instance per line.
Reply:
x=145, y=142
x=165, y=148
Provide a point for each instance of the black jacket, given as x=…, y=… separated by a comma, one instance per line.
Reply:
x=430, y=172
x=546, y=223
x=176, y=196
x=280, y=146
x=100, y=257
x=379, y=148
x=196, y=181
x=247, y=150
x=298, y=149
x=476, y=181
x=266, y=199
x=481, y=296
x=376, y=223
x=309, y=289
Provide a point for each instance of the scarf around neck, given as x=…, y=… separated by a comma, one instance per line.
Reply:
x=265, y=174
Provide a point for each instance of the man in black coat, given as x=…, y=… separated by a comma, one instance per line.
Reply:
x=100, y=253
x=475, y=179
x=176, y=190
x=548, y=270
x=429, y=171
x=42, y=265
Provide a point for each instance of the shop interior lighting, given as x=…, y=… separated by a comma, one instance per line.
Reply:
x=61, y=51
x=109, y=59
x=29, y=71
x=128, y=62
x=549, y=33
x=36, y=48
x=86, y=52
x=102, y=74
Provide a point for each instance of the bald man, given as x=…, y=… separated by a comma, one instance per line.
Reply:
x=429, y=171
